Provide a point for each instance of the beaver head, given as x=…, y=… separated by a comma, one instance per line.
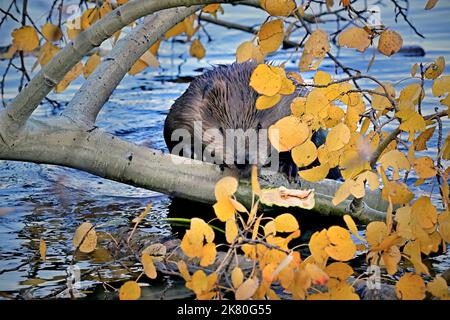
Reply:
x=216, y=120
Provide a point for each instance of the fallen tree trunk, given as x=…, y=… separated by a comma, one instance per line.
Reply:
x=59, y=142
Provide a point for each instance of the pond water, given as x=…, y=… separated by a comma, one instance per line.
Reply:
x=49, y=202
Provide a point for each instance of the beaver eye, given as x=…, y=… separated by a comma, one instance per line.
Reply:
x=221, y=130
x=259, y=126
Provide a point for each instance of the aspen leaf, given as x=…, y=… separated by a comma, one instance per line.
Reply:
x=395, y=159
x=69, y=77
x=430, y=4
x=130, y=290
x=265, y=80
x=231, y=230
x=256, y=189
x=149, y=266
x=224, y=209
x=278, y=7
x=376, y=231
x=287, y=133
x=226, y=187
x=414, y=69
x=343, y=192
x=397, y=191
x=89, y=17
x=338, y=137
x=304, y=154
x=316, y=173
x=390, y=258
x=90, y=65
x=380, y=102
x=441, y=86
x=424, y=167
x=322, y=78
x=314, y=50
x=355, y=37
x=438, y=288
x=265, y=102
x=197, y=50
x=412, y=122
x=286, y=223
x=248, y=51
x=182, y=267
x=51, y=32
x=208, y=254
x=424, y=213
x=421, y=142
x=25, y=39
x=271, y=36
x=199, y=282
x=237, y=277
x=317, y=244
x=270, y=229
x=298, y=106
x=46, y=53
x=176, y=30
x=390, y=42
x=341, y=246
x=247, y=289
x=213, y=8
x=339, y=270
x=412, y=249
x=42, y=249
x=317, y=275
x=410, y=287
x=351, y=225
x=435, y=69
x=85, y=238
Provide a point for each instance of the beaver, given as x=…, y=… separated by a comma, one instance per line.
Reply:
x=217, y=101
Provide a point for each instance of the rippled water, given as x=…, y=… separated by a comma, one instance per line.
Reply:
x=49, y=202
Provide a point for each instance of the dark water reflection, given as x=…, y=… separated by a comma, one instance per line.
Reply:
x=48, y=202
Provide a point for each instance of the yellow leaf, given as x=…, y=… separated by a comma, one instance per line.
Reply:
x=441, y=86
x=414, y=69
x=85, y=238
x=304, y=154
x=376, y=231
x=298, y=106
x=271, y=35
x=176, y=30
x=25, y=39
x=157, y=251
x=390, y=259
x=265, y=80
x=212, y=8
x=338, y=137
x=355, y=37
x=390, y=42
x=90, y=65
x=42, y=249
x=46, y=53
x=397, y=191
x=316, y=173
x=339, y=270
x=410, y=287
x=146, y=60
x=343, y=192
x=149, y=266
x=424, y=213
x=224, y=209
x=322, y=78
x=435, y=69
x=351, y=225
x=197, y=50
x=51, y=32
x=231, y=230
x=421, y=142
x=318, y=276
x=247, y=289
x=438, y=288
x=286, y=223
x=89, y=17
x=256, y=189
x=265, y=102
x=424, y=167
x=317, y=244
x=69, y=77
x=226, y=187
x=278, y=7
x=341, y=247
x=380, y=102
x=395, y=159
x=199, y=282
x=316, y=47
x=430, y=4
x=237, y=277
x=130, y=290
x=287, y=133
x=182, y=267
x=248, y=51
x=208, y=254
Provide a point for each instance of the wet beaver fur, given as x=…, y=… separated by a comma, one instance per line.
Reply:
x=222, y=99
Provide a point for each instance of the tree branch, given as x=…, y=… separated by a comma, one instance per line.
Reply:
x=14, y=117
x=95, y=91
